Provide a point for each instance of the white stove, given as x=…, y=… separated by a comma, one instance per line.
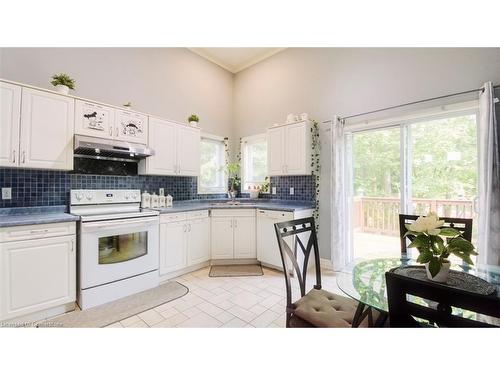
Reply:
x=118, y=245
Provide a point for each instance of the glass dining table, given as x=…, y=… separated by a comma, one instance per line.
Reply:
x=364, y=281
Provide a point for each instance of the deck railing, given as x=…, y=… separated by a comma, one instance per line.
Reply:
x=380, y=214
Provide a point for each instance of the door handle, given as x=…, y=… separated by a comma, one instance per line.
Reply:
x=184, y=228
x=189, y=225
x=110, y=131
x=235, y=223
x=110, y=224
x=13, y=156
x=38, y=231
x=116, y=132
x=72, y=245
x=24, y=157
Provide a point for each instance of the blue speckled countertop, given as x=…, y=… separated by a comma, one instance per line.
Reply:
x=263, y=204
x=10, y=217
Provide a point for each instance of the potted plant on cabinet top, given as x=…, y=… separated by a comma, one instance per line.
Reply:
x=232, y=170
x=63, y=83
x=435, y=244
x=193, y=120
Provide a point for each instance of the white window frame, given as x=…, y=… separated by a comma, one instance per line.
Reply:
x=244, y=141
x=221, y=189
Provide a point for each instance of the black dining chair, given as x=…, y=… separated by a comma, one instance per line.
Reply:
x=317, y=307
x=404, y=311
x=462, y=225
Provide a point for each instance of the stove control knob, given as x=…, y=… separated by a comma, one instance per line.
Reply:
x=79, y=196
x=89, y=196
x=134, y=196
x=127, y=196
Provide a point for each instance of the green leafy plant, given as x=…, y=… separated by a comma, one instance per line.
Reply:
x=316, y=167
x=435, y=243
x=264, y=188
x=232, y=170
x=193, y=118
x=63, y=79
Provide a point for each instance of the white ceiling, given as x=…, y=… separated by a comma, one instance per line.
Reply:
x=235, y=59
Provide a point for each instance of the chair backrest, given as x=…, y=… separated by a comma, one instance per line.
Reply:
x=402, y=311
x=304, y=242
x=463, y=225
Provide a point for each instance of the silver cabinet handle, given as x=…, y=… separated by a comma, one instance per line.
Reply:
x=38, y=231
x=14, y=156
x=184, y=228
x=235, y=223
x=111, y=131
x=24, y=157
x=232, y=222
x=189, y=225
x=117, y=131
x=72, y=245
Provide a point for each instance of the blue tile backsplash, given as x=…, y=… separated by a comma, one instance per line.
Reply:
x=31, y=187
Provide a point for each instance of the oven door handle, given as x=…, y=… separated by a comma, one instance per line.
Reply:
x=114, y=223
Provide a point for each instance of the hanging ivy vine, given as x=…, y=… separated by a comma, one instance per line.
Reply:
x=316, y=167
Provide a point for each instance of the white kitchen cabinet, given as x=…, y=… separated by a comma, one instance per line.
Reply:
x=184, y=240
x=47, y=126
x=275, y=151
x=37, y=274
x=233, y=234
x=10, y=114
x=244, y=238
x=176, y=147
x=162, y=139
x=131, y=126
x=222, y=238
x=172, y=246
x=95, y=120
x=198, y=241
x=188, y=151
x=289, y=149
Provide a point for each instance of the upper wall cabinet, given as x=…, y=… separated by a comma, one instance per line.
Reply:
x=97, y=120
x=10, y=117
x=94, y=120
x=131, y=126
x=47, y=127
x=38, y=133
x=289, y=149
x=176, y=147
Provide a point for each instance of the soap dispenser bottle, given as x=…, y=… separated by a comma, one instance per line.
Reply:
x=145, y=200
x=169, y=201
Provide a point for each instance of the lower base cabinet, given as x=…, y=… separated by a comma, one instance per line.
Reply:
x=37, y=274
x=233, y=234
x=184, y=240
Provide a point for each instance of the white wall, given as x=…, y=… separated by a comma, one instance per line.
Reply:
x=328, y=81
x=167, y=82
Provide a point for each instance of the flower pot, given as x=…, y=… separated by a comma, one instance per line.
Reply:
x=232, y=194
x=62, y=89
x=442, y=275
x=254, y=193
x=193, y=123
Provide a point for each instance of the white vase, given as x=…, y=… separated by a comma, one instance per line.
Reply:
x=193, y=123
x=442, y=275
x=62, y=89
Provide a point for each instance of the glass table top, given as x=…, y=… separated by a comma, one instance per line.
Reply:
x=364, y=279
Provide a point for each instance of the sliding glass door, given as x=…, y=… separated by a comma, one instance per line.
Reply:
x=413, y=168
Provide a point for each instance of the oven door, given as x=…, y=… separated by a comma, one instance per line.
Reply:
x=114, y=250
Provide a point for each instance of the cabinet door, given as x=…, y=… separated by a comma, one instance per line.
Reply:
x=296, y=155
x=188, y=151
x=37, y=275
x=47, y=123
x=244, y=237
x=94, y=119
x=198, y=241
x=172, y=246
x=222, y=238
x=10, y=113
x=275, y=151
x=162, y=139
x=131, y=126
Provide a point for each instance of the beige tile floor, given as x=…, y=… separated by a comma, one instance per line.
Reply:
x=255, y=301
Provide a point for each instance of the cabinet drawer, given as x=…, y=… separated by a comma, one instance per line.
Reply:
x=32, y=232
x=197, y=214
x=169, y=218
x=241, y=212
